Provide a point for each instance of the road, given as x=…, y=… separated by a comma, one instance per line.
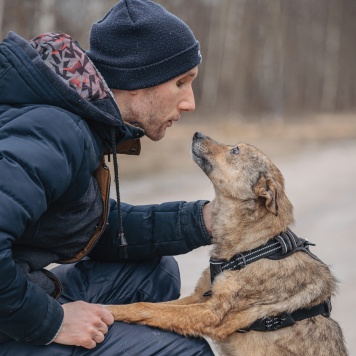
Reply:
x=321, y=184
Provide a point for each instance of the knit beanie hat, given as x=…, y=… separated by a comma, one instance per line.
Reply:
x=139, y=44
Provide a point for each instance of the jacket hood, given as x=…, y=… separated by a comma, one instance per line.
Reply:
x=52, y=69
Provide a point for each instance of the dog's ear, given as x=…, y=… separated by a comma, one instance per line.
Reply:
x=266, y=192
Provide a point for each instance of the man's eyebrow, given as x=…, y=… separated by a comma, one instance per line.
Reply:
x=191, y=74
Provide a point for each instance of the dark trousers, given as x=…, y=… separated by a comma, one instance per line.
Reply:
x=120, y=283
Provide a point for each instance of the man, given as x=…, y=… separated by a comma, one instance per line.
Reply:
x=58, y=118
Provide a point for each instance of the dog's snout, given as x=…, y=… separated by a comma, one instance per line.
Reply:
x=198, y=135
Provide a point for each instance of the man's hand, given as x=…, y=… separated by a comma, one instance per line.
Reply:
x=207, y=214
x=84, y=324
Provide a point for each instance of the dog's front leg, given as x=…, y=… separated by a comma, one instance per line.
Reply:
x=195, y=319
x=192, y=299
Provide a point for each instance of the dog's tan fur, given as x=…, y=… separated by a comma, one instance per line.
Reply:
x=250, y=208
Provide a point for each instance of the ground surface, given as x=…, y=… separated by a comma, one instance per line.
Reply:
x=318, y=161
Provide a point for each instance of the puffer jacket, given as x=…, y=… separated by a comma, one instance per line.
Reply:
x=57, y=119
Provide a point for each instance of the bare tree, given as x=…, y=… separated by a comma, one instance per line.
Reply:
x=269, y=57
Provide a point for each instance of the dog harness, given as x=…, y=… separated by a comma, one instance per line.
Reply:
x=280, y=246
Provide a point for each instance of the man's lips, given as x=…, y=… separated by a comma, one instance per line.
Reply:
x=170, y=122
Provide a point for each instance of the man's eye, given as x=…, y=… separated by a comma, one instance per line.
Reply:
x=235, y=150
x=180, y=83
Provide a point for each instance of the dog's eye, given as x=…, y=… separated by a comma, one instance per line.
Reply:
x=235, y=150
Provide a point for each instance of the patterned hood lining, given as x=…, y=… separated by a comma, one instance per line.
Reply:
x=70, y=63
x=64, y=57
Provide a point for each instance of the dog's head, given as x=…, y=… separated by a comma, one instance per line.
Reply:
x=241, y=172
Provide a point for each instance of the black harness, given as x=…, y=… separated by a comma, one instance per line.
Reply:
x=281, y=246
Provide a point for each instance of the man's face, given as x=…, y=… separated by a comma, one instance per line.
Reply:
x=155, y=109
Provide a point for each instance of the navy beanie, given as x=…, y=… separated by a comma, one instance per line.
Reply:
x=139, y=44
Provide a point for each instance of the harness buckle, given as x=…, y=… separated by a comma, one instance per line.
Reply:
x=270, y=324
x=328, y=306
x=278, y=322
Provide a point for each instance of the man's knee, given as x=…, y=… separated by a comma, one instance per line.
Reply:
x=168, y=280
x=155, y=280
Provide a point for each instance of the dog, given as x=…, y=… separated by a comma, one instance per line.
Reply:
x=265, y=293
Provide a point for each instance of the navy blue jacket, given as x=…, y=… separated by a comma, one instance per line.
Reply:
x=56, y=117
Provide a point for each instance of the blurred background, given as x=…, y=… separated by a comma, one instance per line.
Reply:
x=276, y=57
x=279, y=74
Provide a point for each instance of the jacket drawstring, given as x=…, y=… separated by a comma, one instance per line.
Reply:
x=121, y=236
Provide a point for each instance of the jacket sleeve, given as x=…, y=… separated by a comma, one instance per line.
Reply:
x=154, y=230
x=40, y=152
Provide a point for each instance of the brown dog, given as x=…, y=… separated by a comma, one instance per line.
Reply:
x=264, y=277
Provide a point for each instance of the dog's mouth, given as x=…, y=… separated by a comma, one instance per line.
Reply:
x=199, y=152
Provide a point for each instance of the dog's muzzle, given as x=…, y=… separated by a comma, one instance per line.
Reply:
x=199, y=152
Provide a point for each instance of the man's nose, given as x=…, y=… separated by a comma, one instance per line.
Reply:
x=188, y=101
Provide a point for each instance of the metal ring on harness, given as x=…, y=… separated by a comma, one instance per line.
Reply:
x=242, y=257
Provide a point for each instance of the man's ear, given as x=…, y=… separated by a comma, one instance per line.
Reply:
x=266, y=192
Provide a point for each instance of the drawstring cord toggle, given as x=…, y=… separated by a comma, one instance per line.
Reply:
x=123, y=255
x=123, y=247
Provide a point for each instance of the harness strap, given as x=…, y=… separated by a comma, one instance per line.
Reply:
x=283, y=320
x=280, y=246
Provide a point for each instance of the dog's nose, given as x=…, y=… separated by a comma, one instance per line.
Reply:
x=198, y=135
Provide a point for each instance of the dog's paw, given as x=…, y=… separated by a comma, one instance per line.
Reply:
x=116, y=311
